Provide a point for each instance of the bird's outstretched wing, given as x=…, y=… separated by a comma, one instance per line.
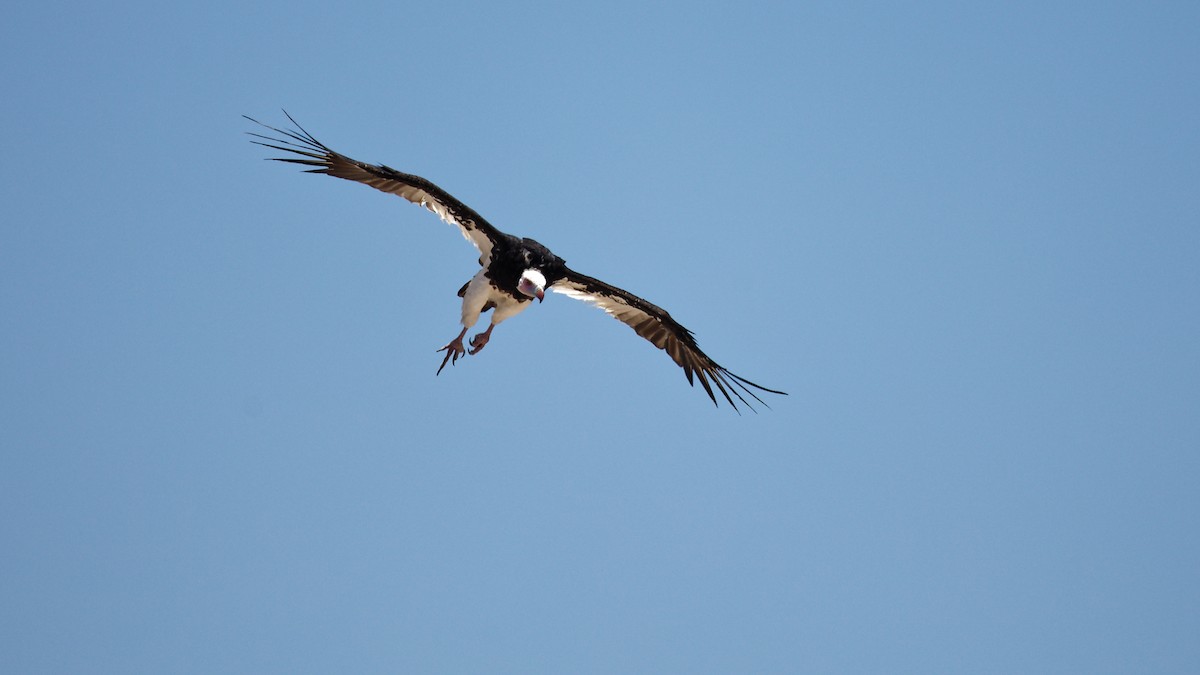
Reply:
x=311, y=152
x=656, y=325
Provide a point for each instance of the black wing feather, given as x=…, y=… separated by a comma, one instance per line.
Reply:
x=308, y=151
x=656, y=325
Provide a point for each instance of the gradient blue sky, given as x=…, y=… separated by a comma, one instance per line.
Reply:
x=964, y=236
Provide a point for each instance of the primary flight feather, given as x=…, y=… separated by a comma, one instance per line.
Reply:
x=513, y=270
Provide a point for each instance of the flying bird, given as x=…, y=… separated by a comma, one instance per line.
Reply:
x=513, y=270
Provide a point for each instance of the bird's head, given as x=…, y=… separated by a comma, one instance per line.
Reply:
x=532, y=284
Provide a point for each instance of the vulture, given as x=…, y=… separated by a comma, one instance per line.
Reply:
x=513, y=271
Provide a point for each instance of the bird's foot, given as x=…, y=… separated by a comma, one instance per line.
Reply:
x=480, y=341
x=453, y=350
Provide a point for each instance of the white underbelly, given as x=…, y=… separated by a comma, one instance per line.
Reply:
x=480, y=293
x=507, y=306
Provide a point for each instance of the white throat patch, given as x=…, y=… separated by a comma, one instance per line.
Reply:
x=534, y=277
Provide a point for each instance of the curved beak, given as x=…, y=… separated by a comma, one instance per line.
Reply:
x=541, y=294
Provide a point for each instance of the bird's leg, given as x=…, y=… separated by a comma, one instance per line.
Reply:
x=480, y=341
x=453, y=350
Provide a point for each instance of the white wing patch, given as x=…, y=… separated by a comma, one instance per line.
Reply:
x=310, y=152
x=655, y=325
x=423, y=199
x=612, y=305
x=642, y=322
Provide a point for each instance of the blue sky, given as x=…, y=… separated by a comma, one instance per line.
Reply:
x=962, y=236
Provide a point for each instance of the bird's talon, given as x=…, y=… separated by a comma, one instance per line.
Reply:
x=453, y=351
x=480, y=341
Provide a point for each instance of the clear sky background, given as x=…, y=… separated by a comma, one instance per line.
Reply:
x=965, y=238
